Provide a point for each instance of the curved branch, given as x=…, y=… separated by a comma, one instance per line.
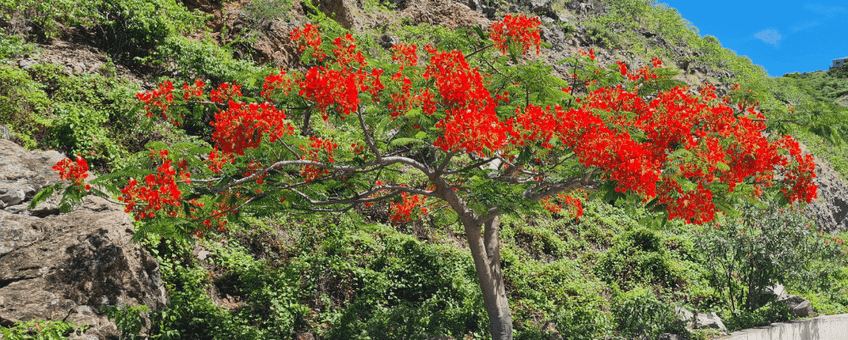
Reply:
x=368, y=136
x=471, y=166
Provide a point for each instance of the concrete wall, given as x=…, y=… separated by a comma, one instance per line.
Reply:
x=828, y=327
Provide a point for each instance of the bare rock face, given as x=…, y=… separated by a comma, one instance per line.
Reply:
x=799, y=306
x=68, y=266
x=830, y=209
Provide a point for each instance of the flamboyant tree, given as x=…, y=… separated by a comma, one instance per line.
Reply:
x=478, y=131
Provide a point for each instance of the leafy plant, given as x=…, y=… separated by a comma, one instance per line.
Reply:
x=762, y=247
x=640, y=315
x=130, y=320
x=41, y=330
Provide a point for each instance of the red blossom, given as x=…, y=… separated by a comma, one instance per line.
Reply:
x=520, y=30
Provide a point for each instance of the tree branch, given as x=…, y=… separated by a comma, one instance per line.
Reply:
x=368, y=136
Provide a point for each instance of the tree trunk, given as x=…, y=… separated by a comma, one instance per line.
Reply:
x=485, y=249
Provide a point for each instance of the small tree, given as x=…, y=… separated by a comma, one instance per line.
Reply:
x=764, y=247
x=476, y=131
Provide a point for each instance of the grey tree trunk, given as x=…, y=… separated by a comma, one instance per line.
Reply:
x=485, y=249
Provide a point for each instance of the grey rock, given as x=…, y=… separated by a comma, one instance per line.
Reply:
x=683, y=314
x=68, y=266
x=702, y=320
x=710, y=320
x=778, y=290
x=830, y=210
x=387, y=41
x=6, y=133
x=799, y=306
x=669, y=336
x=27, y=63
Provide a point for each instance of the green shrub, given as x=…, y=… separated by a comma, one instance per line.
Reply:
x=639, y=314
x=24, y=104
x=263, y=11
x=12, y=46
x=638, y=257
x=204, y=59
x=41, y=330
x=762, y=316
x=762, y=247
x=130, y=320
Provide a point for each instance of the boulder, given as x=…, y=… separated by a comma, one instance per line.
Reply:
x=23, y=174
x=67, y=267
x=702, y=320
x=338, y=10
x=710, y=320
x=830, y=209
x=670, y=336
x=6, y=133
x=799, y=306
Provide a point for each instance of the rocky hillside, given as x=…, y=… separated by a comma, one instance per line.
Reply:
x=69, y=72
x=224, y=40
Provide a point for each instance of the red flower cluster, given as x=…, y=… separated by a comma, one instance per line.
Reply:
x=308, y=37
x=243, y=126
x=801, y=176
x=405, y=100
x=556, y=205
x=340, y=88
x=193, y=91
x=403, y=212
x=225, y=93
x=318, y=150
x=253, y=167
x=471, y=122
x=159, y=98
x=517, y=29
x=158, y=192
x=217, y=159
x=76, y=171
x=346, y=53
x=405, y=55
x=275, y=83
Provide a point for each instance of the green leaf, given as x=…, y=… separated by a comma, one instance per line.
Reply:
x=155, y=146
x=403, y=141
x=480, y=32
x=722, y=166
x=43, y=195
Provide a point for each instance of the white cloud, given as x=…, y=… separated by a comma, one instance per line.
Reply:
x=769, y=36
x=825, y=10
x=798, y=26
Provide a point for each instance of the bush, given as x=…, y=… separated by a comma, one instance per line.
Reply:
x=638, y=257
x=763, y=247
x=639, y=314
x=24, y=105
x=763, y=316
x=204, y=59
x=41, y=330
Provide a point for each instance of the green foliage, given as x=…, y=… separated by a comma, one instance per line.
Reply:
x=130, y=320
x=12, y=46
x=639, y=314
x=46, y=15
x=24, y=105
x=762, y=316
x=644, y=257
x=762, y=247
x=264, y=11
x=204, y=59
x=41, y=330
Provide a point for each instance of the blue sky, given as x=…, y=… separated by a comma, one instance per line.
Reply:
x=782, y=36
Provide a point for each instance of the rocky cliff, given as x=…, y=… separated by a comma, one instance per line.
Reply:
x=66, y=266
